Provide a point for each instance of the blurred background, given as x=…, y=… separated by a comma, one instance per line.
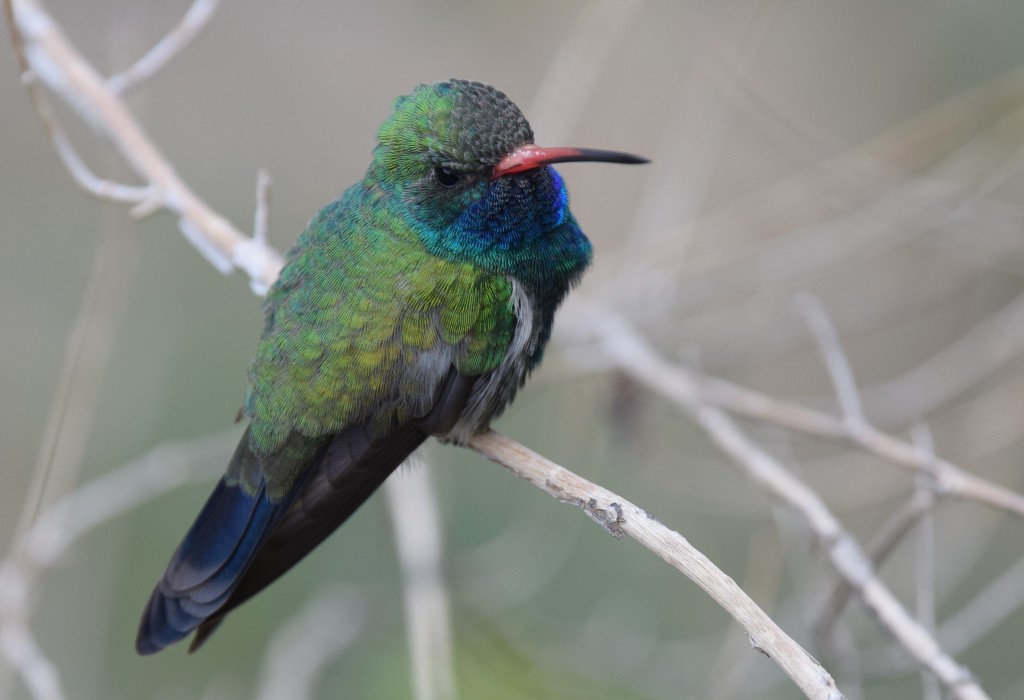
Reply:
x=868, y=154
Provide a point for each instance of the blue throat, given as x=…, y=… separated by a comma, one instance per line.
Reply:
x=521, y=227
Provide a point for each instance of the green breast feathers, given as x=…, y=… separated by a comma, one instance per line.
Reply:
x=364, y=325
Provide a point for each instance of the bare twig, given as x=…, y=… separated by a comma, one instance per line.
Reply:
x=418, y=537
x=636, y=357
x=729, y=672
x=992, y=606
x=878, y=549
x=924, y=564
x=199, y=14
x=46, y=53
x=835, y=360
x=261, y=219
x=65, y=523
x=950, y=479
x=76, y=167
x=620, y=517
x=86, y=356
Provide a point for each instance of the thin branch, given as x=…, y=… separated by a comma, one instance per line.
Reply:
x=261, y=219
x=838, y=365
x=44, y=51
x=67, y=521
x=924, y=561
x=199, y=14
x=635, y=357
x=853, y=418
x=20, y=649
x=950, y=479
x=418, y=538
x=620, y=518
x=730, y=671
x=878, y=550
x=991, y=607
x=73, y=162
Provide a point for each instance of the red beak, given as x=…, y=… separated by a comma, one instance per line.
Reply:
x=530, y=156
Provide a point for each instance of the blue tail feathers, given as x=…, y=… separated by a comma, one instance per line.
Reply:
x=243, y=539
x=208, y=565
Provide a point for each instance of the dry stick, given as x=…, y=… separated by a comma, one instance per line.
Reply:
x=72, y=412
x=851, y=408
x=728, y=674
x=838, y=365
x=949, y=479
x=412, y=503
x=878, y=549
x=987, y=610
x=924, y=564
x=192, y=23
x=636, y=358
x=45, y=52
x=620, y=517
x=63, y=524
x=76, y=167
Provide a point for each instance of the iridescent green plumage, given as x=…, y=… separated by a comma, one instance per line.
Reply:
x=415, y=305
x=363, y=326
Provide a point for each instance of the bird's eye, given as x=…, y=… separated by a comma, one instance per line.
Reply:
x=445, y=176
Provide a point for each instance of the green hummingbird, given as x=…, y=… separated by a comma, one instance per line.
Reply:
x=414, y=305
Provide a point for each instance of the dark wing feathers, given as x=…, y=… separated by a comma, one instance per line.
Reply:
x=207, y=564
x=242, y=542
x=338, y=487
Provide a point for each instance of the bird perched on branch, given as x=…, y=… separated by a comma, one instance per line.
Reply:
x=414, y=305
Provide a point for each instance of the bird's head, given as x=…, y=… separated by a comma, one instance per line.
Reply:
x=460, y=156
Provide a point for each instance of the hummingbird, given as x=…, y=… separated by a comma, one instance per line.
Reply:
x=413, y=306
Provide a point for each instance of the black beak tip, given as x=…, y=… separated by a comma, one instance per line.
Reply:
x=631, y=159
x=601, y=156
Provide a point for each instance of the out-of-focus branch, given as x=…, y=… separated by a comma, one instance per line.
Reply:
x=838, y=365
x=65, y=523
x=620, y=517
x=921, y=502
x=992, y=606
x=417, y=525
x=45, y=54
x=950, y=479
x=635, y=357
x=199, y=14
